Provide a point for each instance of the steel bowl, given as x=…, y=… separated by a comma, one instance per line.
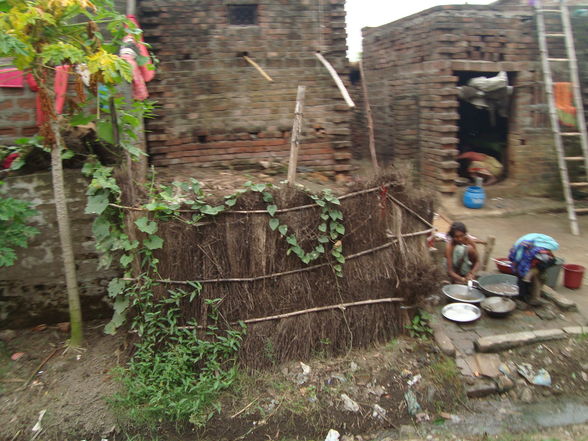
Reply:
x=487, y=284
x=498, y=306
x=461, y=312
x=461, y=293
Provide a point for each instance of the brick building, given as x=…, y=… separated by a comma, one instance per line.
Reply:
x=218, y=109
x=414, y=65
x=214, y=107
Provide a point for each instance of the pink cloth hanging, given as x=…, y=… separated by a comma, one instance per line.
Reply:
x=147, y=71
x=60, y=87
x=140, y=92
x=11, y=77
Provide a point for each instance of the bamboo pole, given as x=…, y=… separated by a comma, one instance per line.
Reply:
x=370, y=121
x=296, y=131
x=258, y=67
x=340, y=306
x=337, y=79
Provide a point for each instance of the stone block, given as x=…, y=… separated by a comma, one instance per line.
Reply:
x=496, y=343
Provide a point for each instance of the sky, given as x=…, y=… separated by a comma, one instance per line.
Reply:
x=362, y=13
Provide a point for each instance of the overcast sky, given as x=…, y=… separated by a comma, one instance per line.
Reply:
x=362, y=13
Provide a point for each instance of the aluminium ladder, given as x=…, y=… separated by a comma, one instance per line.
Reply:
x=562, y=158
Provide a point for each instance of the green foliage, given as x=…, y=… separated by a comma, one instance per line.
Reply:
x=419, y=326
x=176, y=372
x=14, y=231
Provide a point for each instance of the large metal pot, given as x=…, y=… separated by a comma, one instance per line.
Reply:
x=503, y=285
x=461, y=293
x=498, y=306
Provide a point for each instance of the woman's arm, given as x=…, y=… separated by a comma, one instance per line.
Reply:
x=449, y=259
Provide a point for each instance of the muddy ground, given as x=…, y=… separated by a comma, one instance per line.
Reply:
x=293, y=401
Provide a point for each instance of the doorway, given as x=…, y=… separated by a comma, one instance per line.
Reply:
x=483, y=127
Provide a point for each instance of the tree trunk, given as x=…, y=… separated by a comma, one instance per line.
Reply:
x=73, y=297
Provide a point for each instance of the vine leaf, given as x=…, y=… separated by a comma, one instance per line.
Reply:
x=97, y=203
x=273, y=223
x=121, y=304
x=322, y=227
x=117, y=320
x=115, y=287
x=145, y=225
x=153, y=242
x=340, y=229
x=271, y=209
x=283, y=229
x=323, y=239
x=125, y=259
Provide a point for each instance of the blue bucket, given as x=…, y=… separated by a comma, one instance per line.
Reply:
x=474, y=197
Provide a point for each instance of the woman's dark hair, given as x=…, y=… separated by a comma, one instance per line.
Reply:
x=457, y=226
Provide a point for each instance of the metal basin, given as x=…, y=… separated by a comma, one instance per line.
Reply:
x=461, y=312
x=498, y=306
x=461, y=293
x=503, y=285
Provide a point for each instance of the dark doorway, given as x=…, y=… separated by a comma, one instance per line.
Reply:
x=482, y=130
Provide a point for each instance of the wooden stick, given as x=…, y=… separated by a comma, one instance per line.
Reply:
x=296, y=131
x=410, y=210
x=282, y=210
x=258, y=67
x=286, y=273
x=337, y=80
x=39, y=367
x=370, y=121
x=340, y=306
x=245, y=408
x=489, y=248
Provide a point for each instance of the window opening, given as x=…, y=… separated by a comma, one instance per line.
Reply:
x=243, y=15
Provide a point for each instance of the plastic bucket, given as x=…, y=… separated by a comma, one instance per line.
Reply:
x=552, y=273
x=573, y=275
x=474, y=197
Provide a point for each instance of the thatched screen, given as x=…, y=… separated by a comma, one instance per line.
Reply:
x=244, y=263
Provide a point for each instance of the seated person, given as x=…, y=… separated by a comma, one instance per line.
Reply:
x=461, y=254
x=481, y=165
x=531, y=256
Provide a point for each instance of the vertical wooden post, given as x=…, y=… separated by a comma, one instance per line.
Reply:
x=489, y=248
x=296, y=130
x=370, y=121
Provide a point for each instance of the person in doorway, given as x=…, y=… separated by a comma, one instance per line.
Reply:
x=461, y=254
x=530, y=257
x=484, y=166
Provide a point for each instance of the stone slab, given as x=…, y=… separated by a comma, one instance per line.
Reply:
x=481, y=388
x=576, y=330
x=496, y=343
x=560, y=300
x=549, y=334
x=444, y=342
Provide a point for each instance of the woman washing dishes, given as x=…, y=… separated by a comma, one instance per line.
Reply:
x=461, y=254
x=531, y=256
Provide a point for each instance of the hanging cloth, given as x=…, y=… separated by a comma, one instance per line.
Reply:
x=11, y=77
x=60, y=87
x=148, y=69
x=566, y=111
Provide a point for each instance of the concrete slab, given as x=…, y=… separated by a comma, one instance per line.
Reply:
x=549, y=334
x=576, y=330
x=497, y=343
x=559, y=299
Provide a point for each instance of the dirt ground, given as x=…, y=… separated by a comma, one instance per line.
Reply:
x=294, y=401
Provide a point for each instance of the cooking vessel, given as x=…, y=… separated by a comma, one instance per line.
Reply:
x=503, y=265
x=461, y=312
x=461, y=293
x=498, y=306
x=489, y=285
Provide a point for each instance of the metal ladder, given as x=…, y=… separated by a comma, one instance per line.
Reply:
x=558, y=135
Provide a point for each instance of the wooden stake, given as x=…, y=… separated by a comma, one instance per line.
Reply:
x=258, y=67
x=296, y=130
x=337, y=80
x=489, y=248
x=370, y=121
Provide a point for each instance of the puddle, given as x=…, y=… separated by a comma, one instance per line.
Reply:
x=496, y=417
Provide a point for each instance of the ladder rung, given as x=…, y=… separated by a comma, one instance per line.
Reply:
x=570, y=133
x=578, y=184
x=549, y=10
x=555, y=35
x=558, y=59
x=581, y=210
x=574, y=158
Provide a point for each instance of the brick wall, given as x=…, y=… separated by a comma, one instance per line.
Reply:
x=217, y=109
x=33, y=290
x=411, y=73
x=17, y=112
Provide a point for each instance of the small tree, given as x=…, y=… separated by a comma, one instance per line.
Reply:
x=39, y=36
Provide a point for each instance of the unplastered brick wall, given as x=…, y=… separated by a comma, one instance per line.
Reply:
x=216, y=109
x=17, y=113
x=411, y=71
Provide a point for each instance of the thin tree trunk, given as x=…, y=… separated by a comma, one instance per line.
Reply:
x=73, y=297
